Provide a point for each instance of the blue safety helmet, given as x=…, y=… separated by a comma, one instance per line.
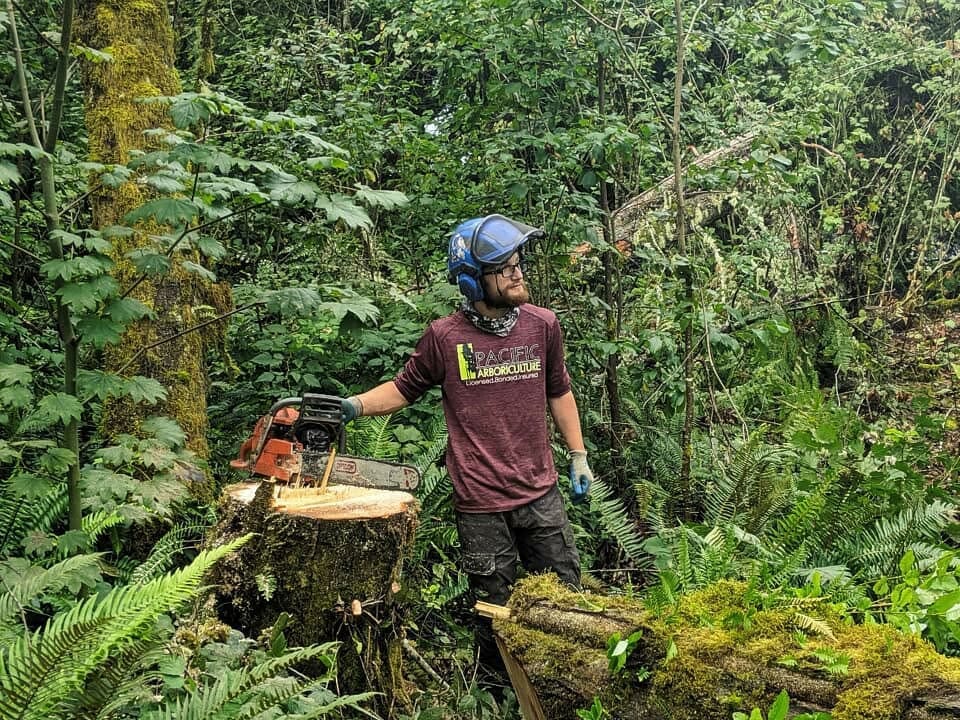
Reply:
x=479, y=243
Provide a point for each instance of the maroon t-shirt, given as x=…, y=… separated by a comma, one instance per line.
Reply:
x=495, y=392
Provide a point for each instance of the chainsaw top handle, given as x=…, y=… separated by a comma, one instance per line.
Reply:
x=319, y=425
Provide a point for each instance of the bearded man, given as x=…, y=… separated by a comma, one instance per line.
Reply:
x=499, y=361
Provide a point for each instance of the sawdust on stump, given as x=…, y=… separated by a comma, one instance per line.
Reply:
x=332, y=560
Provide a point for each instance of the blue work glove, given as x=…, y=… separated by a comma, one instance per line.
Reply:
x=580, y=476
x=350, y=408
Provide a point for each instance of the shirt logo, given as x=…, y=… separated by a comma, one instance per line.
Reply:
x=496, y=365
x=466, y=361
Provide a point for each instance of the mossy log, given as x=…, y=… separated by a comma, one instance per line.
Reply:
x=713, y=655
x=331, y=560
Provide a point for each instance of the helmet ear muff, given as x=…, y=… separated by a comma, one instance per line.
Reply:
x=470, y=287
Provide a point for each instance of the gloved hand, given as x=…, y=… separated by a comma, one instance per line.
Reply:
x=581, y=476
x=350, y=408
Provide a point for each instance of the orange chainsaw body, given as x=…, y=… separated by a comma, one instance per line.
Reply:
x=280, y=456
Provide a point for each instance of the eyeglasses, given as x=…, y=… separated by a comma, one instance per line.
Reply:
x=508, y=271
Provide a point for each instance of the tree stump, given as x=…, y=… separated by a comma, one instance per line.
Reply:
x=332, y=561
x=712, y=655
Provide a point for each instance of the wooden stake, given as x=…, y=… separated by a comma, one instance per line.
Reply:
x=328, y=469
x=492, y=611
x=527, y=697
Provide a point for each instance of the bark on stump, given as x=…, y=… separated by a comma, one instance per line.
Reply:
x=714, y=655
x=330, y=560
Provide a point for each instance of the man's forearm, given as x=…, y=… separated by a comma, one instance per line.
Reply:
x=565, y=415
x=381, y=400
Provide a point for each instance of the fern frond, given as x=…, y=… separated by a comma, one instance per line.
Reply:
x=93, y=526
x=435, y=480
x=19, y=516
x=879, y=547
x=46, y=670
x=173, y=543
x=246, y=692
x=435, y=449
x=371, y=438
x=451, y=591
x=34, y=582
x=800, y=527
x=808, y=624
x=615, y=519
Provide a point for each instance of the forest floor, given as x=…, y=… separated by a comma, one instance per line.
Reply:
x=924, y=364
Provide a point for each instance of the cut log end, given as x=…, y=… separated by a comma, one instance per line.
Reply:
x=336, y=502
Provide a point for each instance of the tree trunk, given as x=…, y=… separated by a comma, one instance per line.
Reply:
x=332, y=561
x=713, y=655
x=139, y=39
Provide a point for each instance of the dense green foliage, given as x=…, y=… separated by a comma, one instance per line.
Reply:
x=317, y=164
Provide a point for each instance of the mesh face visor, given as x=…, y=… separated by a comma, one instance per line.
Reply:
x=497, y=238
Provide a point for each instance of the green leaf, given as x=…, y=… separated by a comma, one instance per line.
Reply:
x=209, y=247
x=266, y=358
x=116, y=176
x=29, y=486
x=166, y=211
x=78, y=296
x=68, y=239
x=157, y=456
x=149, y=262
x=356, y=305
x=73, y=542
x=191, y=108
x=166, y=183
x=144, y=389
x=91, y=54
x=780, y=707
x=61, y=406
x=99, y=331
x=340, y=207
x=166, y=431
x=36, y=542
x=13, y=374
x=14, y=149
x=197, y=269
x=15, y=396
x=947, y=605
x=907, y=562
x=327, y=162
x=60, y=269
x=56, y=461
x=672, y=651
x=9, y=173
x=7, y=452
x=293, y=301
x=124, y=310
x=387, y=199
x=294, y=192
x=116, y=456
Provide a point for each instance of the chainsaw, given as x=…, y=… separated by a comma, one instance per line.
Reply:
x=300, y=442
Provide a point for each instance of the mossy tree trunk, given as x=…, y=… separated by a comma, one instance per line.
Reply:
x=713, y=655
x=331, y=560
x=137, y=35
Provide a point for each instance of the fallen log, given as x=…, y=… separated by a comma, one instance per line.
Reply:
x=714, y=654
x=329, y=558
x=632, y=214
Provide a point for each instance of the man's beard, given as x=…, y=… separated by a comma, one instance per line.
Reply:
x=510, y=298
